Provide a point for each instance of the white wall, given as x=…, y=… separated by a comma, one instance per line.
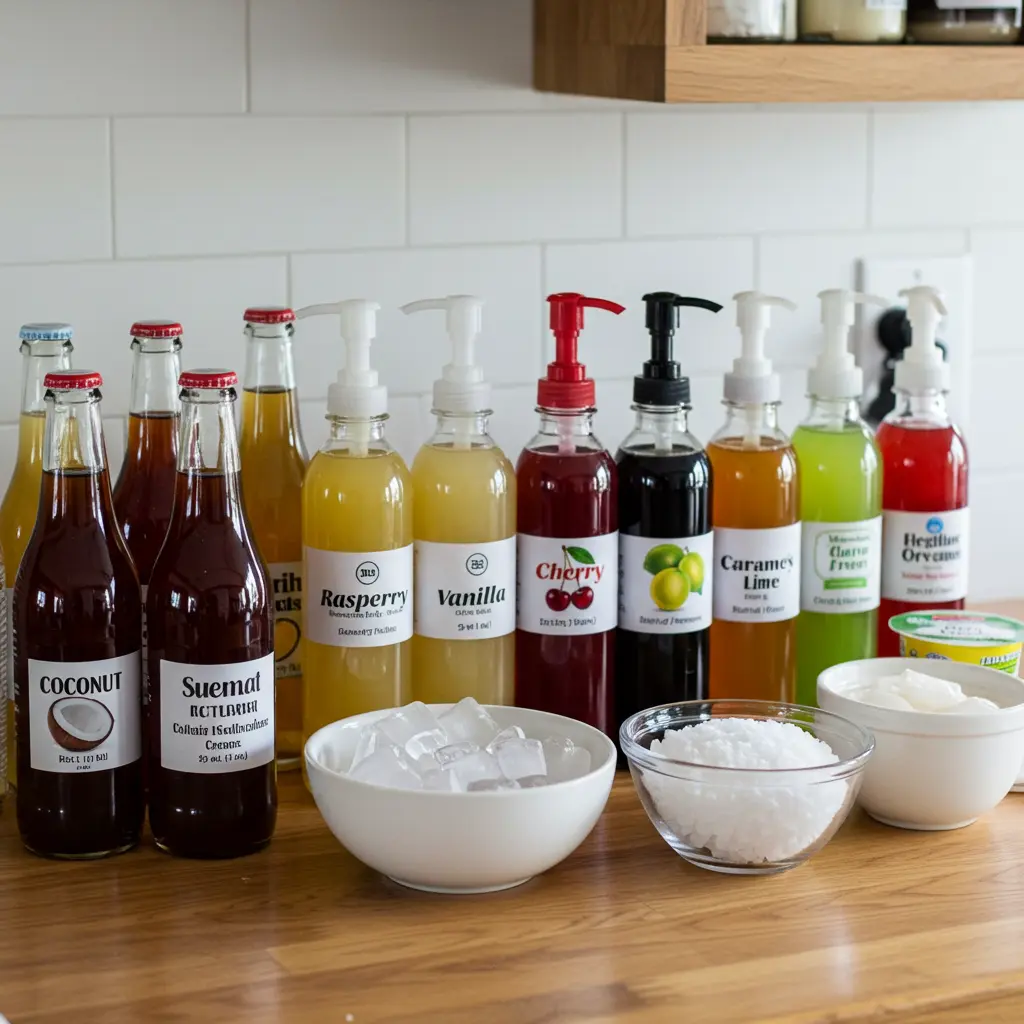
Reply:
x=186, y=158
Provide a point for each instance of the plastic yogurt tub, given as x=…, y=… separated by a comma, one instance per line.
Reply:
x=973, y=637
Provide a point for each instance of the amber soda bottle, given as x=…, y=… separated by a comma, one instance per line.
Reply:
x=210, y=718
x=77, y=639
x=274, y=461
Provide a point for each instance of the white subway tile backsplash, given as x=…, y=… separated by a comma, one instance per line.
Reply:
x=956, y=164
x=243, y=185
x=998, y=258
x=122, y=57
x=102, y=300
x=514, y=177
x=410, y=350
x=54, y=190
x=997, y=541
x=734, y=173
x=617, y=346
x=995, y=412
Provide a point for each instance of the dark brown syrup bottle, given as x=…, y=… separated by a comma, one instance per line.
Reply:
x=210, y=720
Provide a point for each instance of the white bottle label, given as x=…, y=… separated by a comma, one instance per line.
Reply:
x=216, y=718
x=757, y=574
x=924, y=555
x=567, y=586
x=359, y=599
x=665, y=586
x=841, y=566
x=145, y=647
x=8, y=640
x=85, y=716
x=286, y=582
x=465, y=591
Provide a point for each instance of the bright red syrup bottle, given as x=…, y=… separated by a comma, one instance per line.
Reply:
x=567, y=607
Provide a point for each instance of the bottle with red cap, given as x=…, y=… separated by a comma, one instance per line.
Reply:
x=77, y=638
x=567, y=540
x=274, y=461
x=210, y=718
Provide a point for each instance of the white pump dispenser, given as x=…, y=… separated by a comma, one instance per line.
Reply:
x=922, y=367
x=752, y=380
x=835, y=374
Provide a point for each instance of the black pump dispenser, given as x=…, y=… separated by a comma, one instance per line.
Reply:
x=662, y=383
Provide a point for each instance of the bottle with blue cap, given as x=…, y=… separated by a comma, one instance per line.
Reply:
x=465, y=532
x=357, y=543
x=44, y=347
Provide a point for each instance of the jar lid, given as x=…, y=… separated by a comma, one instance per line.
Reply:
x=268, y=315
x=72, y=380
x=212, y=379
x=968, y=629
x=156, y=329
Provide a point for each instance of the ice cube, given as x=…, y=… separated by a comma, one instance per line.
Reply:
x=887, y=699
x=491, y=785
x=512, y=732
x=472, y=768
x=370, y=739
x=532, y=781
x=518, y=758
x=468, y=722
x=564, y=759
x=414, y=728
x=446, y=755
x=388, y=766
x=438, y=781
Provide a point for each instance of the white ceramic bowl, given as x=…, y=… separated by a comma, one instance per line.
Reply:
x=933, y=771
x=460, y=842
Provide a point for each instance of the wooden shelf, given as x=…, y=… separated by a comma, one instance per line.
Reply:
x=654, y=50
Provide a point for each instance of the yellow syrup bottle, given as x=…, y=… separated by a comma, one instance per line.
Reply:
x=357, y=545
x=273, y=458
x=756, y=516
x=44, y=347
x=465, y=530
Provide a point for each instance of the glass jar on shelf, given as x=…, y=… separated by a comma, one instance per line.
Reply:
x=853, y=21
x=970, y=22
x=751, y=21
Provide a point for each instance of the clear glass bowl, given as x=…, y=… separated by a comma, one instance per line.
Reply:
x=745, y=821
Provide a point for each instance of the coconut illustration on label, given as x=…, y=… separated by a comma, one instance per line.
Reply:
x=678, y=572
x=587, y=569
x=79, y=724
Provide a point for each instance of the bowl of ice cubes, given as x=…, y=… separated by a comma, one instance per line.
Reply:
x=460, y=798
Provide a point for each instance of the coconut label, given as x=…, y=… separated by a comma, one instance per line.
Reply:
x=665, y=584
x=85, y=716
x=216, y=718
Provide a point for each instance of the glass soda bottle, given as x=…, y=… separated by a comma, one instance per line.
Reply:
x=210, y=719
x=44, y=347
x=274, y=459
x=77, y=639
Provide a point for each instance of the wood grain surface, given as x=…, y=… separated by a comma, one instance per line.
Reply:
x=882, y=925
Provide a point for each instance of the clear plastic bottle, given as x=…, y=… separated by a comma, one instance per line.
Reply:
x=465, y=530
x=274, y=463
x=44, y=347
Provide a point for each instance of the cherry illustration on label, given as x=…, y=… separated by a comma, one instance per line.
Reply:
x=582, y=597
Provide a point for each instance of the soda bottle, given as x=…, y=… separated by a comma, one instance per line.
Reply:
x=44, y=347
x=210, y=719
x=274, y=461
x=77, y=640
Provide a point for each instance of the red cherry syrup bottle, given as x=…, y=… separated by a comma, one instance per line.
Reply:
x=210, y=718
x=77, y=638
x=567, y=557
x=924, y=482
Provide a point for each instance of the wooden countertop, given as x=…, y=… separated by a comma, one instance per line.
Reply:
x=882, y=924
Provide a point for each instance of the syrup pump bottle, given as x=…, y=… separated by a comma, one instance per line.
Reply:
x=77, y=638
x=568, y=540
x=44, y=347
x=840, y=507
x=756, y=511
x=210, y=718
x=465, y=530
x=924, y=481
x=357, y=544
x=274, y=460
x=665, y=538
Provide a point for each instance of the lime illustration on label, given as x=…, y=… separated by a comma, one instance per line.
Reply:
x=558, y=599
x=678, y=572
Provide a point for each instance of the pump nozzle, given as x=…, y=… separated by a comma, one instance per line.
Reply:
x=922, y=367
x=751, y=380
x=835, y=374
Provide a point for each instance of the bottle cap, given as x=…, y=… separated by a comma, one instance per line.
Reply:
x=215, y=379
x=752, y=380
x=922, y=368
x=268, y=315
x=46, y=332
x=836, y=374
x=72, y=380
x=156, y=329
x=662, y=383
x=357, y=393
x=567, y=385
x=461, y=386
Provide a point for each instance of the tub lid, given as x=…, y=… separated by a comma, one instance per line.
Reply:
x=970, y=629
